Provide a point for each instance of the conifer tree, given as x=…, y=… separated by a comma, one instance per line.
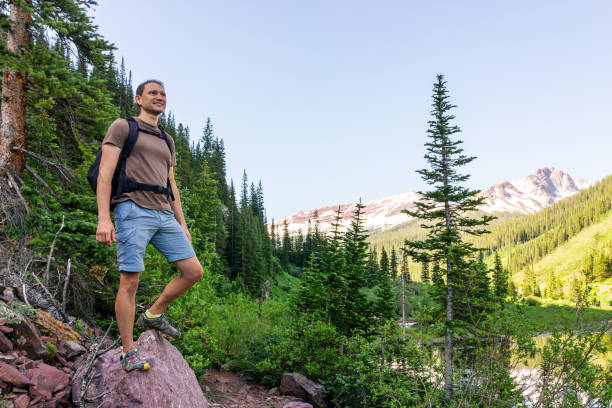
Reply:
x=500, y=280
x=424, y=271
x=385, y=302
x=286, y=245
x=393, y=264
x=357, y=309
x=385, y=270
x=446, y=207
x=372, y=269
x=405, y=268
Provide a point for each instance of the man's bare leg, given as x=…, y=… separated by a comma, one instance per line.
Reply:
x=191, y=272
x=125, y=307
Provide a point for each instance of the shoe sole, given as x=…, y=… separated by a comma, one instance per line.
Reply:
x=146, y=367
x=164, y=335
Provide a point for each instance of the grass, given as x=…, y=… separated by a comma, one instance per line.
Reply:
x=555, y=314
x=282, y=284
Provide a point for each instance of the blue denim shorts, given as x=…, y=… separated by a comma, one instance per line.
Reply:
x=136, y=227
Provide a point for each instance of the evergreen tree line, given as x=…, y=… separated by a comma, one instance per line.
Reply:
x=337, y=271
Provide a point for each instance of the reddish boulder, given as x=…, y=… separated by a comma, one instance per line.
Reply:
x=6, y=329
x=170, y=382
x=28, y=339
x=11, y=375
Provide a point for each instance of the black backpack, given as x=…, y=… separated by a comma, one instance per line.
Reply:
x=120, y=183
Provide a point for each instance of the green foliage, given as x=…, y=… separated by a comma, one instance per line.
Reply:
x=49, y=358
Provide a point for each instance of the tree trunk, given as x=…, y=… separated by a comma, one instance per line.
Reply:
x=448, y=343
x=448, y=346
x=12, y=129
x=403, y=304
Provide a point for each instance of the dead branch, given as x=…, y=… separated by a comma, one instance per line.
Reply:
x=46, y=162
x=66, y=285
x=41, y=181
x=51, y=298
x=20, y=182
x=15, y=186
x=46, y=274
x=87, y=377
x=25, y=296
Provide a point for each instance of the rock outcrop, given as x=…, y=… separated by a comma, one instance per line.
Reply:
x=169, y=383
x=35, y=370
x=297, y=385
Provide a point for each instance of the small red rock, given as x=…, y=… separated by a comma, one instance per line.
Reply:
x=6, y=329
x=22, y=401
x=49, y=378
x=31, y=364
x=5, y=344
x=42, y=392
x=62, y=360
x=10, y=375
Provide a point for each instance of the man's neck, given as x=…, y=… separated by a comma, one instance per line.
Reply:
x=148, y=118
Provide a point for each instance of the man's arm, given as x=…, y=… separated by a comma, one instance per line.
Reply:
x=176, y=204
x=110, y=156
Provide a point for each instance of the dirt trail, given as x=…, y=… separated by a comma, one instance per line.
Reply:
x=225, y=389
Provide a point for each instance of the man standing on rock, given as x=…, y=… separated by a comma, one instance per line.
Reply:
x=148, y=209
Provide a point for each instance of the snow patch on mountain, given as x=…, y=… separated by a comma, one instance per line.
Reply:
x=525, y=196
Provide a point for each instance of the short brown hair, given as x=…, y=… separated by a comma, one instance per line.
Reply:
x=141, y=87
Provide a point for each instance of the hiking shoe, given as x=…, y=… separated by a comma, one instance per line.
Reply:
x=160, y=324
x=130, y=362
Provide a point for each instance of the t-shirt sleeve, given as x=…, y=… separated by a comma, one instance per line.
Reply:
x=173, y=158
x=117, y=133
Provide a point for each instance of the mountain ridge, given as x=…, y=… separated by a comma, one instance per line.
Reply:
x=525, y=196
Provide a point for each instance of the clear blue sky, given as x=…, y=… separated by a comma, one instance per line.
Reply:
x=328, y=101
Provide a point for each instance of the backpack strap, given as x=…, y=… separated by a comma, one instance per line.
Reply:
x=126, y=150
x=131, y=139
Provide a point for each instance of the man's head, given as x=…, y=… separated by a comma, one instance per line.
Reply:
x=151, y=97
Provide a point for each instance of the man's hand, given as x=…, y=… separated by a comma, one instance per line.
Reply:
x=187, y=232
x=106, y=232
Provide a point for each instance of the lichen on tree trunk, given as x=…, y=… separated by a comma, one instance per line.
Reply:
x=12, y=129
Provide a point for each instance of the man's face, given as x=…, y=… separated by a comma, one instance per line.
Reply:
x=153, y=99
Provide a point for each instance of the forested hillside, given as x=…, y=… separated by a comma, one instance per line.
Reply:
x=537, y=235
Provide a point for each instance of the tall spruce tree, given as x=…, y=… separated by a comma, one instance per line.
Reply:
x=446, y=208
x=424, y=271
x=357, y=308
x=500, y=280
x=385, y=270
x=393, y=263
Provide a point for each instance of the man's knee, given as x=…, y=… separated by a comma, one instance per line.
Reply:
x=128, y=282
x=197, y=273
x=190, y=268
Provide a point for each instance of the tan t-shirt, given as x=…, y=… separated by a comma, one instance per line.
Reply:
x=149, y=162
